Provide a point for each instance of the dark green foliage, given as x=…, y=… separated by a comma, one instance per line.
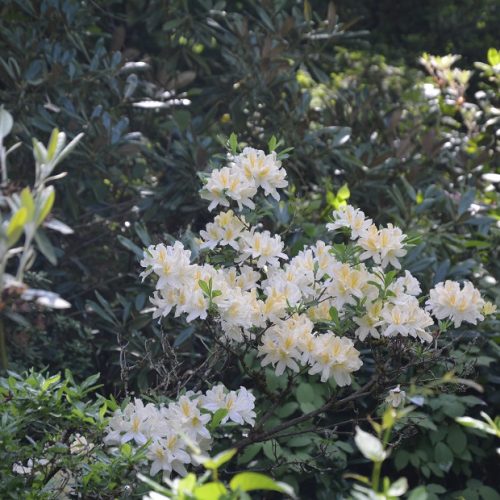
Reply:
x=157, y=87
x=404, y=29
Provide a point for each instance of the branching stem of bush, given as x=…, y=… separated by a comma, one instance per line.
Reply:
x=330, y=404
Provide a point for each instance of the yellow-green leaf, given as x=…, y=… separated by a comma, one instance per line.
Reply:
x=53, y=142
x=28, y=202
x=250, y=481
x=187, y=484
x=47, y=205
x=210, y=491
x=493, y=56
x=344, y=193
x=16, y=226
x=219, y=459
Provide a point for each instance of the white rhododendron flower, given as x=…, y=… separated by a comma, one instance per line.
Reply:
x=224, y=230
x=165, y=429
x=229, y=183
x=167, y=454
x=335, y=356
x=280, y=348
x=352, y=218
x=395, y=397
x=264, y=170
x=80, y=445
x=384, y=246
x=367, y=324
x=262, y=247
x=448, y=300
x=239, y=404
x=489, y=308
x=370, y=446
x=250, y=170
x=25, y=470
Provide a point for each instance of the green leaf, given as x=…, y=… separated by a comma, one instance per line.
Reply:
x=153, y=484
x=48, y=197
x=210, y=491
x=219, y=459
x=493, y=56
x=6, y=123
x=249, y=453
x=45, y=246
x=187, y=484
x=251, y=481
x=101, y=312
x=466, y=200
x=401, y=459
x=443, y=455
x=16, y=226
x=28, y=203
x=50, y=381
x=299, y=441
x=126, y=450
x=130, y=245
x=217, y=418
x=419, y=493
x=53, y=144
x=204, y=287
x=457, y=440
x=272, y=449
x=287, y=409
x=344, y=193
x=67, y=150
x=334, y=314
x=185, y=334
x=305, y=393
x=488, y=493
x=233, y=143
x=272, y=143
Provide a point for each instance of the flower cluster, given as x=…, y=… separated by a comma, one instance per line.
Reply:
x=290, y=308
x=250, y=170
x=169, y=430
x=448, y=300
x=385, y=245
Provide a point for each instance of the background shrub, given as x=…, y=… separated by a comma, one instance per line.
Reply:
x=157, y=89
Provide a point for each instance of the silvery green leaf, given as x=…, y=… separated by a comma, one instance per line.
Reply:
x=57, y=225
x=39, y=152
x=6, y=123
x=67, y=150
x=56, y=143
x=45, y=246
x=130, y=85
x=13, y=148
x=45, y=298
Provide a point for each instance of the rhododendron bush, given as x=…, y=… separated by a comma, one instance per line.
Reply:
x=341, y=312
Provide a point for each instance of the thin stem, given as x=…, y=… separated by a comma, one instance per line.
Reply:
x=24, y=257
x=377, y=468
x=3, y=164
x=4, y=361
